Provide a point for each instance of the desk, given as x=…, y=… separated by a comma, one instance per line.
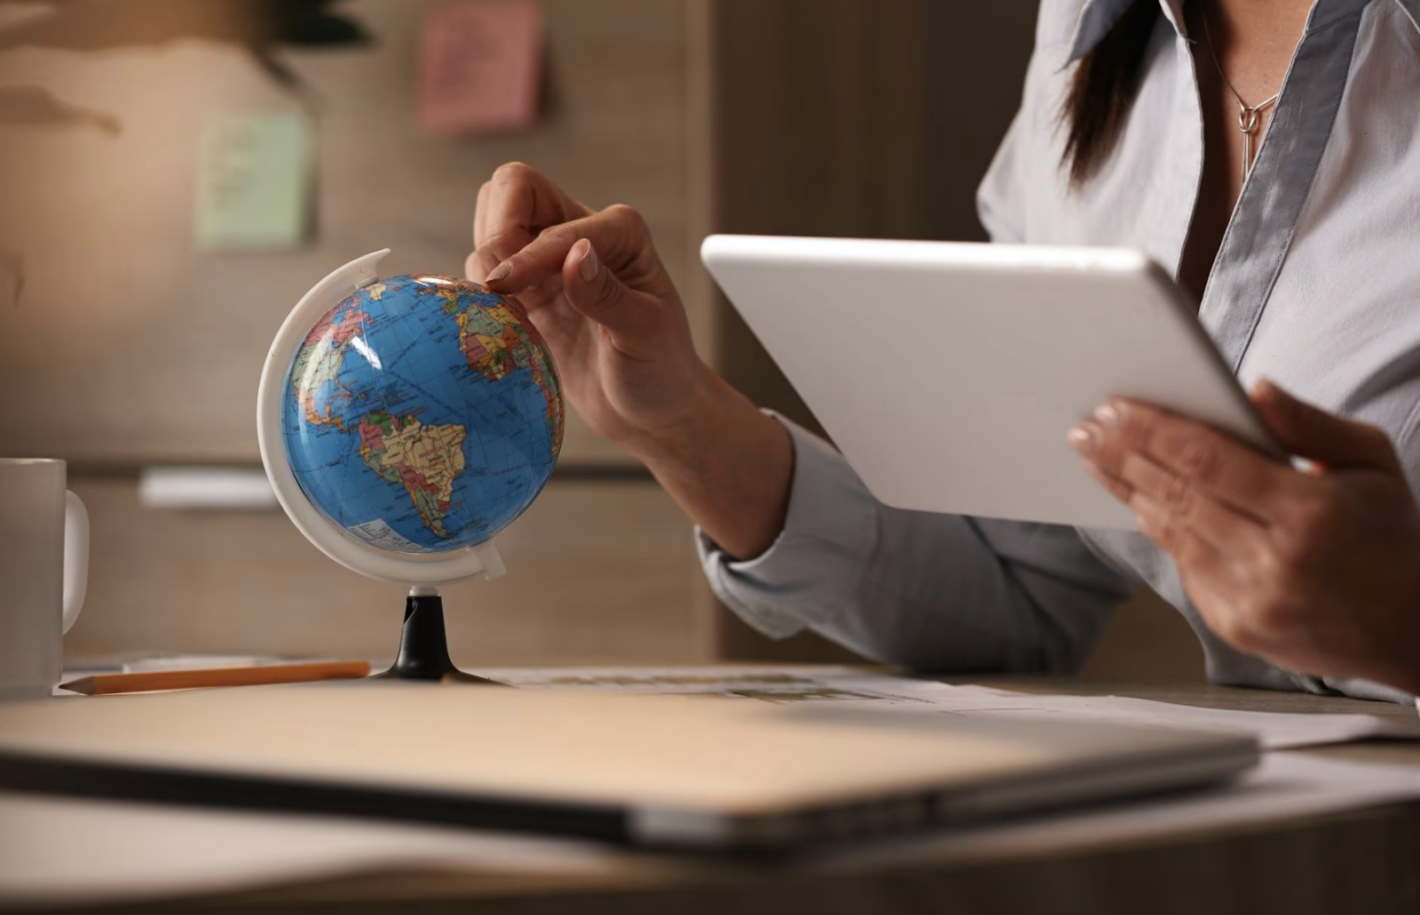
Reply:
x=1364, y=860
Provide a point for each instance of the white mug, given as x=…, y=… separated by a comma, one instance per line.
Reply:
x=44, y=571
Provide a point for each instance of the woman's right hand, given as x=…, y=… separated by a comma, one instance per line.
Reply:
x=595, y=288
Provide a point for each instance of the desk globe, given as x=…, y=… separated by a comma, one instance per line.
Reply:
x=403, y=423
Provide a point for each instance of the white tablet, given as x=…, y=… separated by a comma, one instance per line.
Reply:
x=948, y=374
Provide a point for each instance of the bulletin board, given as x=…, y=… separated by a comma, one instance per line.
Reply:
x=130, y=344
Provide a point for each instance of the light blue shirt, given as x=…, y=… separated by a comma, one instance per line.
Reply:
x=1316, y=285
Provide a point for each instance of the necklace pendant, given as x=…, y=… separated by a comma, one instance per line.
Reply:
x=1247, y=155
x=1247, y=123
x=1248, y=118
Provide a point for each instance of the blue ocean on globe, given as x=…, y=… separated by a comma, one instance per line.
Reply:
x=423, y=414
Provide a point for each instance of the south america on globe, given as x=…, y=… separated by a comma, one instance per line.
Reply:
x=423, y=414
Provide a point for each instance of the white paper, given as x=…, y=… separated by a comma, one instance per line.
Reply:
x=851, y=688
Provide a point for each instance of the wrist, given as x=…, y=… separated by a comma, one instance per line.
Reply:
x=729, y=466
x=682, y=437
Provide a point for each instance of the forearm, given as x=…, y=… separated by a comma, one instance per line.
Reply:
x=728, y=466
x=916, y=589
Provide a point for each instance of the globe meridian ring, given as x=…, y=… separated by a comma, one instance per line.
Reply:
x=474, y=561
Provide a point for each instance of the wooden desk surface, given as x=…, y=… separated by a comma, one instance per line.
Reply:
x=1365, y=860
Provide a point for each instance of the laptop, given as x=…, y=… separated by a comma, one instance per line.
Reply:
x=949, y=373
x=684, y=772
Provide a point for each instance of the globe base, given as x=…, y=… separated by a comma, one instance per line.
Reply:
x=424, y=647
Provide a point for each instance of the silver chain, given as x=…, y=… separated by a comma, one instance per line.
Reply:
x=1248, y=116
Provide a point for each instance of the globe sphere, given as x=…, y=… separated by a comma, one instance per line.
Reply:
x=422, y=414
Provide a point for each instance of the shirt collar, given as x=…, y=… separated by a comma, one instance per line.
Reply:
x=1097, y=17
x=1412, y=10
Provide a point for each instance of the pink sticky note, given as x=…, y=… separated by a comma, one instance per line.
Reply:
x=480, y=68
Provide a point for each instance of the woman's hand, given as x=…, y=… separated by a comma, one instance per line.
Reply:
x=593, y=285
x=1317, y=571
x=595, y=288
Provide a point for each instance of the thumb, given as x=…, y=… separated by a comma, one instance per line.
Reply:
x=1317, y=435
x=595, y=292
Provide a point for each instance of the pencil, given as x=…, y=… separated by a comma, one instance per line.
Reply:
x=105, y=684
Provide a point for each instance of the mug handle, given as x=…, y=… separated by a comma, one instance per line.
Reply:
x=76, y=557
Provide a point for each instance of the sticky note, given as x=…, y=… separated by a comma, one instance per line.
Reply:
x=254, y=182
x=481, y=64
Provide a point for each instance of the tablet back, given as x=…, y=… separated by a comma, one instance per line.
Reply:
x=948, y=374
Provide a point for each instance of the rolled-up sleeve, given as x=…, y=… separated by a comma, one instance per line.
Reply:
x=917, y=589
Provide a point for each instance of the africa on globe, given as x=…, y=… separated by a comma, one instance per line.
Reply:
x=422, y=414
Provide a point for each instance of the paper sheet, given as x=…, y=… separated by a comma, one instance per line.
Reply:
x=854, y=688
x=253, y=182
x=480, y=66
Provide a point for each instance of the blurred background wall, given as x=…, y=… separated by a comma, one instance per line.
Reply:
x=125, y=347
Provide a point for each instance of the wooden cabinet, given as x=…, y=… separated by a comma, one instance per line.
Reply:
x=596, y=571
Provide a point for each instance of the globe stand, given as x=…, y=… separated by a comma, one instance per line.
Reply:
x=423, y=645
x=423, y=648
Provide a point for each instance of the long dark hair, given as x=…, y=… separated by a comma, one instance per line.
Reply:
x=1102, y=90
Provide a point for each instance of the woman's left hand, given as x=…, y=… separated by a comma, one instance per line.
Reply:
x=1318, y=571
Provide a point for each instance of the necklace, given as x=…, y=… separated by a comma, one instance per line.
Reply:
x=1248, y=116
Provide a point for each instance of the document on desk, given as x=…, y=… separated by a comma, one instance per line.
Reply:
x=849, y=688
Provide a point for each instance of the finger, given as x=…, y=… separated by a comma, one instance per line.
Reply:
x=1223, y=468
x=480, y=214
x=617, y=238
x=551, y=314
x=1116, y=487
x=1212, y=580
x=1189, y=550
x=522, y=198
x=488, y=256
x=494, y=250
x=1226, y=531
x=595, y=291
x=1321, y=436
x=513, y=207
x=1161, y=494
x=1215, y=590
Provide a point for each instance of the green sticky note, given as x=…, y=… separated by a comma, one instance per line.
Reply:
x=253, y=182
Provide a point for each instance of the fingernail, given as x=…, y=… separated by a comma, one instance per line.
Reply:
x=1107, y=414
x=590, y=265
x=500, y=272
x=1270, y=392
x=1082, y=440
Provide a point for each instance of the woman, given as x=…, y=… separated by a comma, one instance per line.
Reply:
x=1141, y=126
